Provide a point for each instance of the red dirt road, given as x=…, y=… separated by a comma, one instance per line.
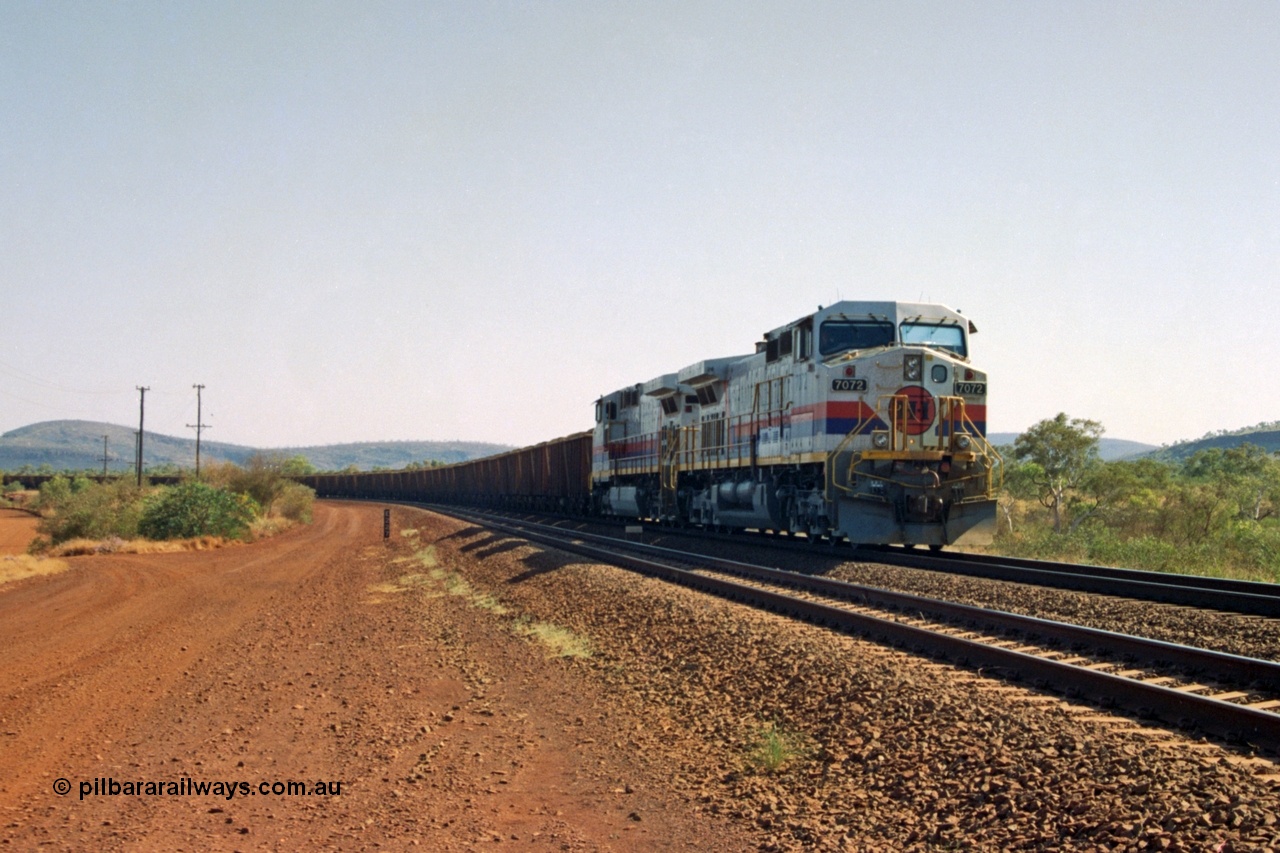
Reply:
x=17, y=529
x=286, y=661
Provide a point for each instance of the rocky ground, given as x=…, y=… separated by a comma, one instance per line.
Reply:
x=423, y=673
x=1252, y=636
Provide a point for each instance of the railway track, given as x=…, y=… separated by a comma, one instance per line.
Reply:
x=1251, y=598
x=1233, y=596
x=1227, y=595
x=1222, y=695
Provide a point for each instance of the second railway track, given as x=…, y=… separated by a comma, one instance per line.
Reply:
x=1226, y=594
x=1222, y=695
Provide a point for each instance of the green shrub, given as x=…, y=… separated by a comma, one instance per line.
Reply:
x=54, y=493
x=196, y=509
x=82, y=509
x=774, y=747
x=1241, y=549
x=294, y=502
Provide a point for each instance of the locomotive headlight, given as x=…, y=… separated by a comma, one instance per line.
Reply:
x=913, y=367
x=962, y=442
x=880, y=440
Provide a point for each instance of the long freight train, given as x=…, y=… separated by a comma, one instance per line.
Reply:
x=863, y=421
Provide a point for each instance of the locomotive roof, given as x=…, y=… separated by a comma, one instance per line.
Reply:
x=711, y=369
x=895, y=312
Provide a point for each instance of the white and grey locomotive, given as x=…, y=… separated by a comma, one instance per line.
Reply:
x=863, y=421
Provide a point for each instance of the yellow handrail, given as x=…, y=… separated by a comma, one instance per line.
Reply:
x=951, y=410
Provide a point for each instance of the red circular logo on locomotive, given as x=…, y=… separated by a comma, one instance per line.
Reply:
x=917, y=414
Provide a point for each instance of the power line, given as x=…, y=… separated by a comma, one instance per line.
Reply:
x=142, y=400
x=36, y=380
x=198, y=426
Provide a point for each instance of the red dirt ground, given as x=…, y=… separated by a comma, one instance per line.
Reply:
x=286, y=660
x=405, y=671
x=17, y=529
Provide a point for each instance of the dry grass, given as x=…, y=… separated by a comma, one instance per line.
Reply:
x=269, y=526
x=17, y=567
x=561, y=642
x=437, y=582
x=19, y=500
x=261, y=529
x=89, y=547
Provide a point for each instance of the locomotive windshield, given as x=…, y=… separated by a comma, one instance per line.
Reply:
x=937, y=335
x=839, y=335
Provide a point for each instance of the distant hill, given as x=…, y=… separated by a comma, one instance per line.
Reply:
x=1265, y=435
x=1109, y=449
x=77, y=445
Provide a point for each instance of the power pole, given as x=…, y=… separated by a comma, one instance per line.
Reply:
x=142, y=402
x=198, y=426
x=104, y=458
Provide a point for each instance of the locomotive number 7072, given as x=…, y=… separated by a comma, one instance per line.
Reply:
x=971, y=389
x=848, y=384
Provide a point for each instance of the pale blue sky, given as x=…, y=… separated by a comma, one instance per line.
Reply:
x=363, y=221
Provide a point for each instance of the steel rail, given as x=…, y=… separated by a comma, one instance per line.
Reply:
x=1256, y=727
x=1200, y=581
x=1252, y=598
x=1236, y=596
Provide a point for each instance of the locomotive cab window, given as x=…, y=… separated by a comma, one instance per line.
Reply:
x=840, y=335
x=937, y=335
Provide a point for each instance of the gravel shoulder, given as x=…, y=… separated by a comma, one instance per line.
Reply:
x=891, y=751
x=1251, y=636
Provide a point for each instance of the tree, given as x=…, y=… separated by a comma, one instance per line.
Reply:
x=297, y=466
x=1246, y=476
x=1065, y=450
x=262, y=478
x=1020, y=483
x=1127, y=496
